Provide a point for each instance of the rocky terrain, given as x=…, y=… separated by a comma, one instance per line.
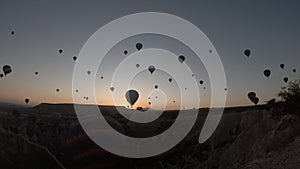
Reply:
x=49, y=136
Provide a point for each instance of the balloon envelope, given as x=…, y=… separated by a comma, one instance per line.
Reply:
x=139, y=46
x=285, y=79
x=156, y=86
x=247, y=52
x=170, y=80
x=151, y=69
x=201, y=82
x=267, y=73
x=137, y=65
x=255, y=100
x=1, y=75
x=112, y=89
x=74, y=58
x=251, y=96
x=26, y=100
x=7, y=69
x=181, y=59
x=294, y=70
x=125, y=52
x=282, y=66
x=132, y=96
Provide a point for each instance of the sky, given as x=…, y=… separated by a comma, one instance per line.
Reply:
x=269, y=28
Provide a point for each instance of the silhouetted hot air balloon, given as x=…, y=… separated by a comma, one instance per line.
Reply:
x=281, y=66
x=74, y=58
x=181, y=58
x=247, y=52
x=112, y=89
x=170, y=80
x=139, y=46
x=101, y=77
x=125, y=52
x=255, y=100
x=36, y=73
x=174, y=101
x=193, y=75
x=1, y=75
x=137, y=65
x=88, y=72
x=76, y=90
x=156, y=86
x=7, y=69
x=294, y=70
x=149, y=103
x=12, y=32
x=26, y=100
x=251, y=96
x=201, y=82
x=151, y=69
x=60, y=51
x=267, y=73
x=57, y=90
x=285, y=79
x=132, y=96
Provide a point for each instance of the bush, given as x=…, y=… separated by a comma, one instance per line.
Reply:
x=290, y=96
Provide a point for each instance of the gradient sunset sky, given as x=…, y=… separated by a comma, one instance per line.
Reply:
x=269, y=28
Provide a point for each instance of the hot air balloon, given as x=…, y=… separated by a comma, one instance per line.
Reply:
x=285, y=79
x=132, y=96
x=88, y=72
x=281, y=66
x=26, y=100
x=57, y=90
x=151, y=69
x=247, y=52
x=210, y=51
x=201, y=82
x=76, y=90
x=193, y=75
x=251, y=96
x=139, y=46
x=181, y=58
x=267, y=73
x=137, y=65
x=7, y=69
x=174, y=101
x=294, y=70
x=74, y=58
x=255, y=100
x=125, y=52
x=1, y=75
x=149, y=103
x=60, y=51
x=170, y=80
x=156, y=86
x=101, y=77
x=112, y=89
x=36, y=73
x=12, y=32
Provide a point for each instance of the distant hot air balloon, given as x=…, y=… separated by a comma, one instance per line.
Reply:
x=285, y=79
x=1, y=75
x=251, y=96
x=210, y=51
x=267, y=73
x=76, y=90
x=36, y=73
x=181, y=58
x=174, y=101
x=88, y=72
x=281, y=66
x=294, y=70
x=193, y=75
x=149, y=103
x=139, y=46
x=125, y=52
x=255, y=100
x=201, y=82
x=12, y=32
x=132, y=96
x=185, y=88
x=137, y=65
x=26, y=100
x=156, y=86
x=101, y=77
x=57, y=90
x=60, y=51
x=112, y=89
x=7, y=69
x=170, y=80
x=74, y=58
x=247, y=52
x=151, y=69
